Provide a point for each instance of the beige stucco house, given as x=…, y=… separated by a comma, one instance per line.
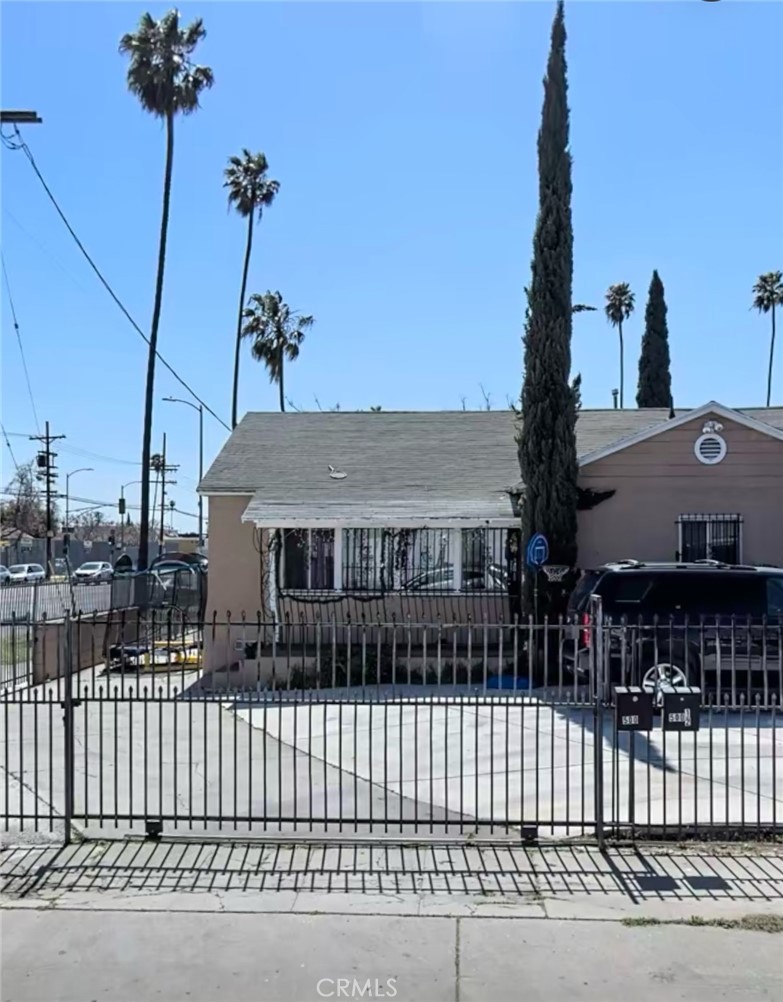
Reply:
x=384, y=515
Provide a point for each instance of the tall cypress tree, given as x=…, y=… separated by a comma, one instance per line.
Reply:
x=547, y=434
x=655, y=378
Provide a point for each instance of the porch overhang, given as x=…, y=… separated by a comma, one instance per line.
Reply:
x=494, y=510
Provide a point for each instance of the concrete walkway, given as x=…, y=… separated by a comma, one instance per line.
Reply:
x=197, y=922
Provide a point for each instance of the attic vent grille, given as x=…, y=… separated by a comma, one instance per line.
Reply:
x=710, y=449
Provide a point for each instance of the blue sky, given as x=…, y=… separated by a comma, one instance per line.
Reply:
x=403, y=136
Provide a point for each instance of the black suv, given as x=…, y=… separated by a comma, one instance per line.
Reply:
x=714, y=625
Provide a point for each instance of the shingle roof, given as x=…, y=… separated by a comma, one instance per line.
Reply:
x=458, y=462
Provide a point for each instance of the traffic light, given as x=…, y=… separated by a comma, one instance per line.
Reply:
x=121, y=506
x=111, y=539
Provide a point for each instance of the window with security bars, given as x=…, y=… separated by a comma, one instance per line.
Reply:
x=396, y=559
x=710, y=537
x=307, y=559
x=402, y=560
x=488, y=558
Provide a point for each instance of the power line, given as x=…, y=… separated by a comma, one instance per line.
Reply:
x=19, y=342
x=20, y=144
x=76, y=450
x=13, y=457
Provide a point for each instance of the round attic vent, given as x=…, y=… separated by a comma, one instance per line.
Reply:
x=710, y=449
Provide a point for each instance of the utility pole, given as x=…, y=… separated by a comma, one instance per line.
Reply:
x=47, y=473
x=158, y=463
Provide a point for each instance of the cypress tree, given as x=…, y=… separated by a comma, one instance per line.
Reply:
x=655, y=379
x=547, y=436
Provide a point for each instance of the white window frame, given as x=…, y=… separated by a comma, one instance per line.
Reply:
x=714, y=518
x=455, y=551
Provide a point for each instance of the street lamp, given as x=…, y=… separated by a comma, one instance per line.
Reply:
x=121, y=508
x=82, y=469
x=200, y=409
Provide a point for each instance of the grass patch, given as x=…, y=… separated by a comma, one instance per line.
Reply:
x=747, y=923
x=15, y=648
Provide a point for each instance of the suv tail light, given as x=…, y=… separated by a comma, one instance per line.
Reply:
x=585, y=632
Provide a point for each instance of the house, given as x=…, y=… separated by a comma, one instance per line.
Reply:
x=387, y=515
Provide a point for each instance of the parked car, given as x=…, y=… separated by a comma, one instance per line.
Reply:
x=5, y=577
x=26, y=573
x=492, y=578
x=93, y=572
x=59, y=569
x=705, y=624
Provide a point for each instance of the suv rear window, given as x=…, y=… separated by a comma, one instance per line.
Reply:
x=584, y=588
x=775, y=596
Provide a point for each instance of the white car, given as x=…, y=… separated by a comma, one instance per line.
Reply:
x=93, y=572
x=26, y=573
x=5, y=577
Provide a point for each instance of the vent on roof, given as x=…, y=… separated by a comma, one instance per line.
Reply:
x=710, y=448
x=337, y=474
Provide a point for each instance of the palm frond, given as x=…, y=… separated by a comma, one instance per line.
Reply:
x=161, y=73
x=276, y=332
x=768, y=291
x=249, y=188
x=619, y=303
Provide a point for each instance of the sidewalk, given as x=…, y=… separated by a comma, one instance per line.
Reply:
x=249, y=921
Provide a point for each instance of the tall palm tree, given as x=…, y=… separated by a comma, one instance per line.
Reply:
x=767, y=294
x=619, y=306
x=162, y=75
x=249, y=189
x=277, y=332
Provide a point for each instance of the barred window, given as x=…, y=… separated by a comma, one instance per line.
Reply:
x=486, y=559
x=710, y=537
x=308, y=559
x=396, y=559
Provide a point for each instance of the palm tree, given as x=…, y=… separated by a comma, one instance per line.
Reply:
x=248, y=189
x=619, y=306
x=277, y=332
x=767, y=294
x=163, y=77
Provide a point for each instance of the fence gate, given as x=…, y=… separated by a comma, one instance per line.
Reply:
x=150, y=748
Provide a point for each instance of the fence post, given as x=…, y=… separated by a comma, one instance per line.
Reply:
x=599, y=672
x=68, y=728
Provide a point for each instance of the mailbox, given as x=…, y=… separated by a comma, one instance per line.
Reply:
x=633, y=708
x=681, y=708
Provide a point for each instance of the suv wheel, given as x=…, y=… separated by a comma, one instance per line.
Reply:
x=666, y=668
x=663, y=677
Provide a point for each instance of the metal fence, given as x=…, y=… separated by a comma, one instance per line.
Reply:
x=402, y=729
x=41, y=600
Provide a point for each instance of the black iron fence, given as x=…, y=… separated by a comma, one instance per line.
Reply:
x=139, y=723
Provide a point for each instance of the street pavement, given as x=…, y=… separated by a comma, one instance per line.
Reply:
x=132, y=921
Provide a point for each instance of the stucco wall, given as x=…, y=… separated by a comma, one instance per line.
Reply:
x=660, y=479
x=234, y=574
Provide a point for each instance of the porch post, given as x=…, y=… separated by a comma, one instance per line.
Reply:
x=338, y=559
x=456, y=557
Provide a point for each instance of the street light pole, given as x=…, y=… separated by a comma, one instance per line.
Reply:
x=82, y=469
x=200, y=409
